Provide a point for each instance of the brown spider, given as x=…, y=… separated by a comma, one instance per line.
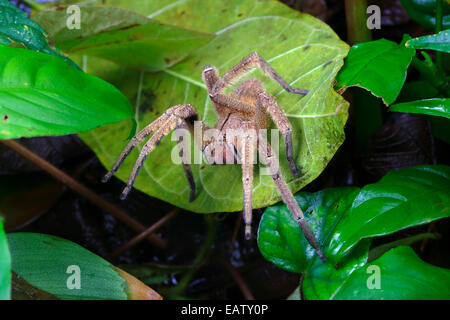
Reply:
x=247, y=109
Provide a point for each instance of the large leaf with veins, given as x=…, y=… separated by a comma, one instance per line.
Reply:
x=124, y=37
x=304, y=50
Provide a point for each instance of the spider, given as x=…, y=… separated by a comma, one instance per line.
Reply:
x=247, y=109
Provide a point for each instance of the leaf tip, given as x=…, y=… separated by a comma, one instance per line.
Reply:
x=137, y=290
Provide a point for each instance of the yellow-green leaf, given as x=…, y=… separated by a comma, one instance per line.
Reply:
x=122, y=36
x=304, y=50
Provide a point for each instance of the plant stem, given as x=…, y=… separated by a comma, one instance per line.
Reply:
x=201, y=255
x=439, y=54
x=137, y=239
x=356, y=17
x=431, y=75
x=368, y=117
x=238, y=279
x=81, y=189
x=367, y=110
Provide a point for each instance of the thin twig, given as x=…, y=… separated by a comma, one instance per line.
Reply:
x=202, y=254
x=137, y=239
x=238, y=279
x=300, y=287
x=430, y=229
x=81, y=189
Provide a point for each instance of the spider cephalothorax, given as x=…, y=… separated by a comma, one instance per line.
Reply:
x=247, y=110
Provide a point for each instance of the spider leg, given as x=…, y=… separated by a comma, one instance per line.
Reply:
x=210, y=77
x=233, y=103
x=266, y=154
x=253, y=60
x=174, y=117
x=247, y=150
x=141, y=135
x=268, y=103
x=186, y=166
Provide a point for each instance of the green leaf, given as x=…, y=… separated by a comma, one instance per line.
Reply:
x=401, y=199
x=341, y=217
x=439, y=42
x=379, y=66
x=323, y=280
x=433, y=107
x=195, y=15
x=282, y=242
x=19, y=31
x=279, y=238
x=304, y=50
x=42, y=95
x=125, y=37
x=49, y=264
x=416, y=90
x=424, y=12
x=377, y=252
x=403, y=276
x=5, y=266
x=439, y=126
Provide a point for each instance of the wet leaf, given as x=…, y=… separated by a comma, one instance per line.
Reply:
x=377, y=252
x=409, y=197
x=32, y=103
x=282, y=242
x=351, y=281
x=424, y=12
x=124, y=37
x=305, y=51
x=439, y=42
x=18, y=31
x=433, y=107
x=52, y=265
x=322, y=280
x=379, y=66
x=5, y=265
x=341, y=217
x=403, y=276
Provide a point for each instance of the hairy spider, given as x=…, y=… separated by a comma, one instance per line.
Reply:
x=247, y=109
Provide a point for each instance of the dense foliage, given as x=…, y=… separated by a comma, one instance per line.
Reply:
x=130, y=60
